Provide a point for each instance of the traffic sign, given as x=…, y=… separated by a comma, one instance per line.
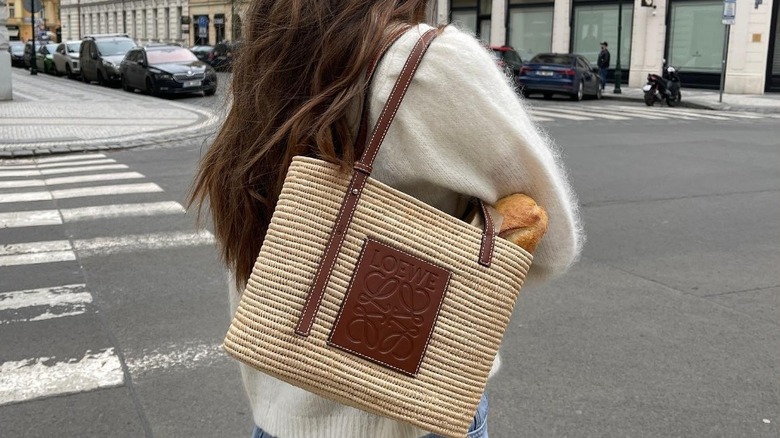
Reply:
x=203, y=21
x=33, y=6
x=729, y=12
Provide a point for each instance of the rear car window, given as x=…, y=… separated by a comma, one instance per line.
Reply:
x=552, y=59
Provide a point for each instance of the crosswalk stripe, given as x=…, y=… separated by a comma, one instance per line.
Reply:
x=556, y=115
x=78, y=169
x=132, y=243
x=590, y=113
x=18, y=219
x=5, y=173
x=30, y=379
x=69, y=158
x=121, y=210
x=37, y=218
x=37, y=258
x=34, y=247
x=678, y=111
x=117, y=189
x=541, y=119
x=646, y=113
x=80, y=163
x=92, y=178
x=22, y=183
x=71, y=294
x=25, y=197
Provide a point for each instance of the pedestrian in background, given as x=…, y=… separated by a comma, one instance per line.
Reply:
x=298, y=86
x=603, y=64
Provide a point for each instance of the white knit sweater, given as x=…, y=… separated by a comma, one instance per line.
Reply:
x=460, y=130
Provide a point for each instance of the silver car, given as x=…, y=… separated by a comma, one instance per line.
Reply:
x=66, y=59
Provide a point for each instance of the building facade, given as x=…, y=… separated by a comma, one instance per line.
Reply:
x=215, y=21
x=20, y=21
x=145, y=20
x=689, y=33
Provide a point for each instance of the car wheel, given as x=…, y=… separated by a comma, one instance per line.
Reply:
x=578, y=95
x=124, y=84
x=68, y=71
x=210, y=92
x=599, y=93
x=547, y=96
x=150, y=88
x=100, y=80
x=525, y=93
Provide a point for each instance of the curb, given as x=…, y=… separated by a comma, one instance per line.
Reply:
x=705, y=106
x=59, y=150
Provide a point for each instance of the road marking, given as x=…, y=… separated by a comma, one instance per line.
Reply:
x=30, y=379
x=37, y=218
x=92, y=178
x=558, y=115
x=119, y=189
x=33, y=247
x=175, y=358
x=80, y=163
x=69, y=158
x=80, y=169
x=45, y=303
x=18, y=219
x=21, y=183
x=5, y=173
x=85, y=192
x=541, y=119
x=592, y=113
x=25, y=197
x=37, y=258
x=122, y=210
x=140, y=242
x=678, y=111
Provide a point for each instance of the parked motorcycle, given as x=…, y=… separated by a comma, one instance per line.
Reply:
x=666, y=89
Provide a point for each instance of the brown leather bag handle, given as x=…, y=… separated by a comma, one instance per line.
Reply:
x=359, y=178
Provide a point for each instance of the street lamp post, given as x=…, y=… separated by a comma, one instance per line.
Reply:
x=618, y=69
x=33, y=57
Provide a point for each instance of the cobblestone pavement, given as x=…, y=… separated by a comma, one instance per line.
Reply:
x=56, y=115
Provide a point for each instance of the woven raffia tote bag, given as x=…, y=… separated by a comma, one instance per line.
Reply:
x=367, y=296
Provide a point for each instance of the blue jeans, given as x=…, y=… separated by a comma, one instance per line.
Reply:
x=603, y=74
x=478, y=429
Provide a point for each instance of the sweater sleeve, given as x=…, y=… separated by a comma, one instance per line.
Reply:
x=463, y=127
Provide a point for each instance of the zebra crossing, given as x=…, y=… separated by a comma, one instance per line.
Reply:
x=584, y=112
x=39, y=198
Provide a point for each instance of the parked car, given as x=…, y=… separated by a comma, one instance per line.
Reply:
x=28, y=56
x=160, y=70
x=66, y=58
x=508, y=59
x=100, y=56
x=16, y=49
x=556, y=73
x=44, y=60
x=203, y=52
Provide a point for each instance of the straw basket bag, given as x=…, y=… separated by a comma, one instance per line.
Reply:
x=367, y=296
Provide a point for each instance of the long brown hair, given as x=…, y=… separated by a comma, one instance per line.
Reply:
x=300, y=69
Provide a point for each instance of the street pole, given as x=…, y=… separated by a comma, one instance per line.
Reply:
x=725, y=62
x=33, y=57
x=618, y=69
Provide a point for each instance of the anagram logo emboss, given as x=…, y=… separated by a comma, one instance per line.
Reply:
x=391, y=307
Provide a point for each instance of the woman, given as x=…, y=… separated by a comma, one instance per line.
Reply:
x=460, y=132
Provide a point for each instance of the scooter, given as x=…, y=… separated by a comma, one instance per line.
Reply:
x=659, y=88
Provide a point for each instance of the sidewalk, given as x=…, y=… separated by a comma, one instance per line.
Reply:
x=51, y=115
x=708, y=99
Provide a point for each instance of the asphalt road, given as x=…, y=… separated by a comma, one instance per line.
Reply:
x=668, y=326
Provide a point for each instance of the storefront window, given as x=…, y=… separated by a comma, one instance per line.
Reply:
x=465, y=20
x=472, y=16
x=530, y=30
x=596, y=23
x=696, y=36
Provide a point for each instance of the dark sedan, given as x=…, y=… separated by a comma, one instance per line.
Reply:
x=16, y=49
x=554, y=73
x=160, y=70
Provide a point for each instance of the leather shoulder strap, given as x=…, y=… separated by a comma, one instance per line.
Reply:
x=355, y=189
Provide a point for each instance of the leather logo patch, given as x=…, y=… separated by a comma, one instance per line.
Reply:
x=390, y=308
